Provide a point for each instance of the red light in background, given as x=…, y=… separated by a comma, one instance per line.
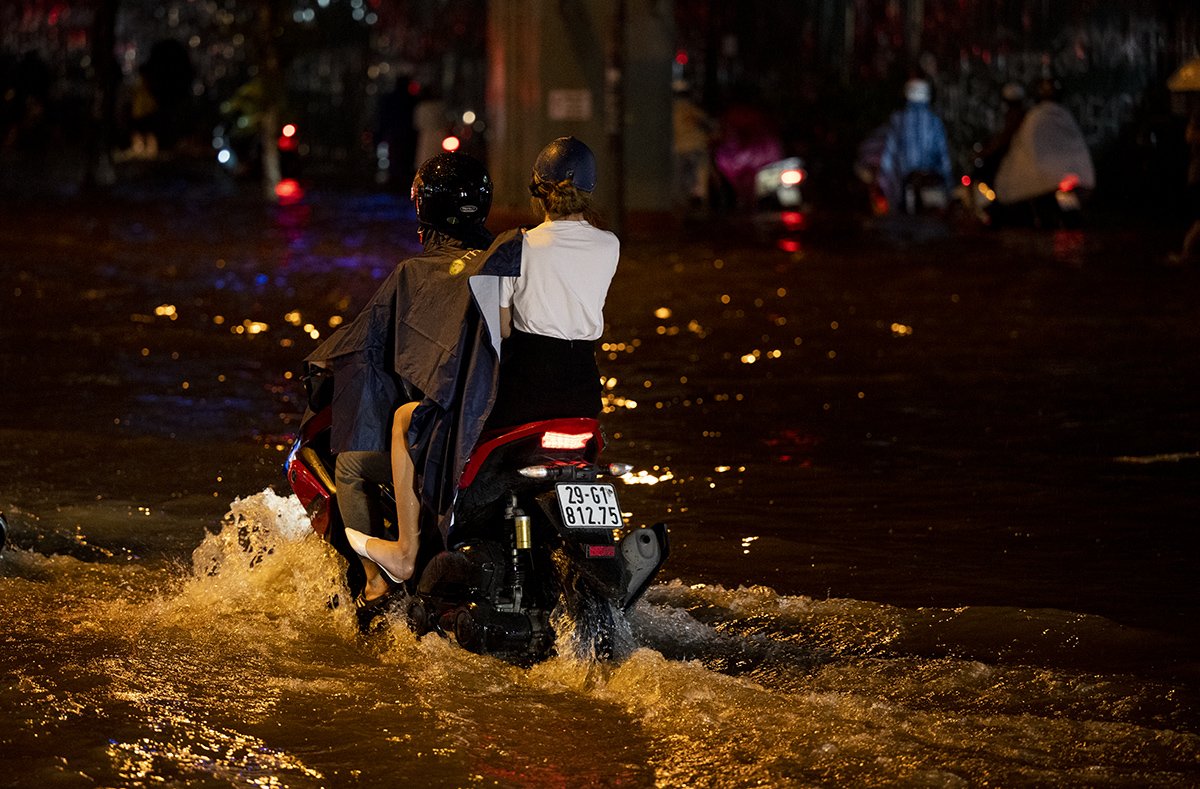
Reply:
x=287, y=137
x=793, y=220
x=289, y=191
x=788, y=245
x=451, y=143
x=966, y=180
x=681, y=57
x=1068, y=183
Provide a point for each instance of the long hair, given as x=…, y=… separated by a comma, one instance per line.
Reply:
x=557, y=200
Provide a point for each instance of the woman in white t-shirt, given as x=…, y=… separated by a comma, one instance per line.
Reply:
x=553, y=312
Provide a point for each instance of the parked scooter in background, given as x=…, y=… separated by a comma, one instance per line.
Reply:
x=779, y=185
x=779, y=206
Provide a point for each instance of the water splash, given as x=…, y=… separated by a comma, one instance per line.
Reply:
x=236, y=672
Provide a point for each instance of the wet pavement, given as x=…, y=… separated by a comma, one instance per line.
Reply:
x=894, y=458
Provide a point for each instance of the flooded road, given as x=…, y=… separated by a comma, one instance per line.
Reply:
x=933, y=512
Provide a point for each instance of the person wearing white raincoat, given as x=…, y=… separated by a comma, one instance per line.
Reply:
x=1048, y=152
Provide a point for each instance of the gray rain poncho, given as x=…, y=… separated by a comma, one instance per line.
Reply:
x=430, y=333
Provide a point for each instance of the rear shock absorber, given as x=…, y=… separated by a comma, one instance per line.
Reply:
x=522, y=542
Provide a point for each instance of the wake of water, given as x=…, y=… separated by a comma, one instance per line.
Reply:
x=237, y=671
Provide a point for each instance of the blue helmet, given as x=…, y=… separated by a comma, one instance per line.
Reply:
x=565, y=159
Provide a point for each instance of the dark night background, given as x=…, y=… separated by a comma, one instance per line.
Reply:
x=826, y=72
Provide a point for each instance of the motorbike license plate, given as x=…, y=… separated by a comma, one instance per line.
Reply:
x=592, y=506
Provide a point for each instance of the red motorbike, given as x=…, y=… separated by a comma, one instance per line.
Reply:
x=539, y=546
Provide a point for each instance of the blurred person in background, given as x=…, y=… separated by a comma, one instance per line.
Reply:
x=693, y=131
x=1048, y=154
x=143, y=111
x=915, y=162
x=747, y=141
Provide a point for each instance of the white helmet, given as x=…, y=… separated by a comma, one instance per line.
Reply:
x=917, y=90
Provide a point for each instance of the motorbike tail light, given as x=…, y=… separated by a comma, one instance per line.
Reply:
x=576, y=434
x=289, y=191
x=1068, y=183
x=554, y=440
x=311, y=493
x=791, y=177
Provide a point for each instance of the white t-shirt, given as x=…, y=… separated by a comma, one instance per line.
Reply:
x=566, y=268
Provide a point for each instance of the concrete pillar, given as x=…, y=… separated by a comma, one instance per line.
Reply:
x=552, y=72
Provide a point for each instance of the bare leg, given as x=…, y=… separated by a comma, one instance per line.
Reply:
x=408, y=504
x=398, y=558
x=358, y=507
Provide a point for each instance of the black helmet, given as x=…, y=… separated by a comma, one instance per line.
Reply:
x=453, y=194
x=565, y=159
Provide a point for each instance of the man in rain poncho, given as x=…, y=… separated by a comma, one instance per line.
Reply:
x=425, y=345
x=914, y=146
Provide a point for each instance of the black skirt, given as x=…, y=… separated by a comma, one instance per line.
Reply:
x=545, y=378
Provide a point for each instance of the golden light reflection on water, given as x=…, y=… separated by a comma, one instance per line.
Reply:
x=648, y=477
x=202, y=750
